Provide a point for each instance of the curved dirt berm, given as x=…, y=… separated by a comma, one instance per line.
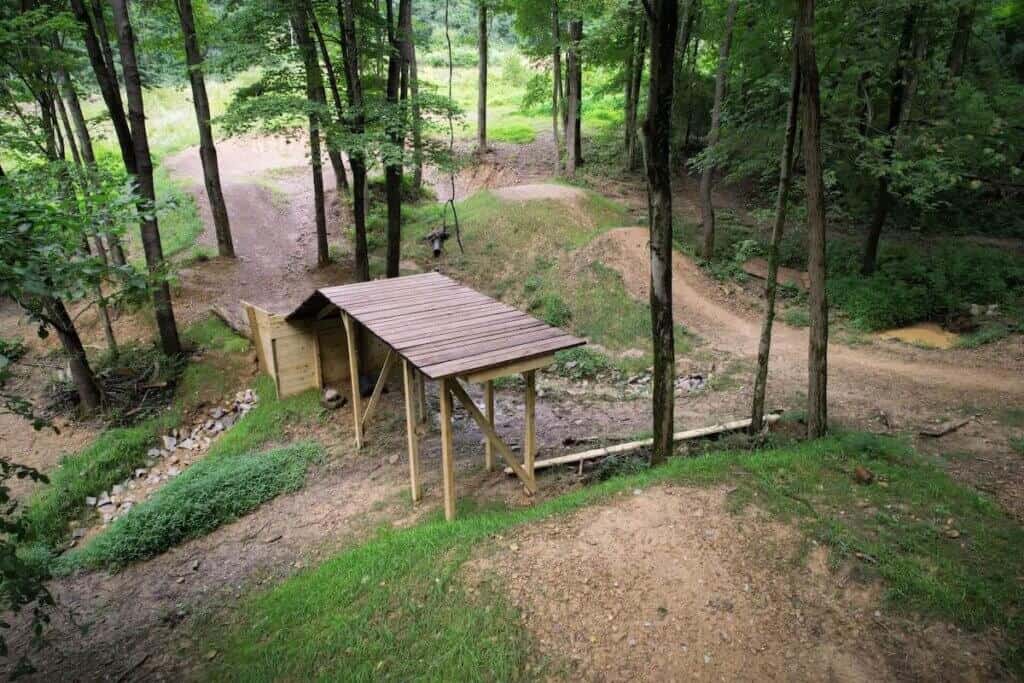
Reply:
x=533, y=191
x=700, y=305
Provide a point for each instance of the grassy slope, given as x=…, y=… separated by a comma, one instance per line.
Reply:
x=526, y=254
x=116, y=452
x=395, y=607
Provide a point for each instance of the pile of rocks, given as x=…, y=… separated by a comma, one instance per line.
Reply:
x=179, y=448
x=640, y=384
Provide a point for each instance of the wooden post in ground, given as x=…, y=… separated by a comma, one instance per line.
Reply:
x=489, y=408
x=353, y=368
x=529, y=424
x=410, y=428
x=447, y=448
x=421, y=396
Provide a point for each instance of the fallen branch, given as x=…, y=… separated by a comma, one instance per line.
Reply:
x=618, y=449
x=944, y=428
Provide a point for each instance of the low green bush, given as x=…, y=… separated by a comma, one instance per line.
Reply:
x=213, y=492
x=581, y=363
x=515, y=132
x=796, y=316
x=212, y=334
x=552, y=309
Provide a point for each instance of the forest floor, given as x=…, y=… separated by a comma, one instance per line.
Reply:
x=815, y=622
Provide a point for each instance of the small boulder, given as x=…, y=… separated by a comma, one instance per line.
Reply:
x=863, y=475
x=217, y=413
x=90, y=501
x=332, y=399
x=155, y=453
x=170, y=442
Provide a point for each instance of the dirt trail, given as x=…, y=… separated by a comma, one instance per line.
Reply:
x=698, y=305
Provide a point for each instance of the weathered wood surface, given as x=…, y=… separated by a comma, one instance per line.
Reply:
x=441, y=327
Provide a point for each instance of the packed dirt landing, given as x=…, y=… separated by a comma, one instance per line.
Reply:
x=930, y=335
x=668, y=585
x=534, y=191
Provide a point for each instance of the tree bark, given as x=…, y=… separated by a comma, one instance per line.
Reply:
x=314, y=92
x=571, y=128
x=393, y=169
x=81, y=371
x=817, y=354
x=74, y=108
x=961, y=38
x=148, y=223
x=207, y=149
x=69, y=134
x=771, y=284
x=409, y=57
x=632, y=152
x=883, y=201
x=662, y=23
x=333, y=152
x=630, y=72
x=356, y=121
x=556, y=85
x=706, y=206
x=686, y=23
x=481, y=102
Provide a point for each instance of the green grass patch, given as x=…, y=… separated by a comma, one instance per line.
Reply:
x=1017, y=445
x=213, y=492
x=581, y=363
x=180, y=222
x=212, y=334
x=987, y=334
x=796, y=316
x=395, y=607
x=527, y=254
x=511, y=130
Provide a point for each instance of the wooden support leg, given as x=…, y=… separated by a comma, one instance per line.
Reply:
x=421, y=396
x=529, y=424
x=410, y=428
x=378, y=388
x=489, y=407
x=353, y=368
x=447, y=455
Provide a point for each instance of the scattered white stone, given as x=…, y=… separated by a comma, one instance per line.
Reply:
x=187, y=444
x=90, y=501
x=117, y=490
x=170, y=442
x=155, y=453
x=140, y=472
x=217, y=413
x=173, y=472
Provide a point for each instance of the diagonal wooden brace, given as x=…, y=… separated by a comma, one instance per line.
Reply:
x=382, y=379
x=503, y=450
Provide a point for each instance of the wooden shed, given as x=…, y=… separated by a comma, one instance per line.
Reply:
x=434, y=329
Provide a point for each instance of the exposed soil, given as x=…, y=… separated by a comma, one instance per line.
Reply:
x=533, y=191
x=667, y=581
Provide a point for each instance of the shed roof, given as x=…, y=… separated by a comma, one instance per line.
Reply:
x=442, y=327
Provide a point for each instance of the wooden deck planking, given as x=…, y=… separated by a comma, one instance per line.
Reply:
x=444, y=328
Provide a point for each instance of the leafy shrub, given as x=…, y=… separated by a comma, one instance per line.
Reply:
x=212, y=334
x=581, y=363
x=463, y=56
x=1018, y=445
x=513, y=71
x=796, y=316
x=11, y=350
x=213, y=492
x=552, y=310
x=514, y=132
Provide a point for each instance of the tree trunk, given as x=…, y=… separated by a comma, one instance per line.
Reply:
x=630, y=73
x=556, y=85
x=481, y=102
x=409, y=43
x=686, y=22
x=207, y=150
x=148, y=224
x=961, y=38
x=632, y=154
x=706, y=206
x=771, y=284
x=69, y=134
x=81, y=372
x=578, y=136
x=817, y=356
x=571, y=129
x=662, y=23
x=393, y=169
x=883, y=201
x=356, y=122
x=314, y=91
x=333, y=151
x=74, y=109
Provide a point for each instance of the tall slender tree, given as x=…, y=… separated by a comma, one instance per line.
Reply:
x=144, y=166
x=396, y=134
x=635, y=79
x=662, y=20
x=897, y=101
x=810, y=119
x=356, y=115
x=572, y=128
x=299, y=18
x=481, y=102
x=707, y=208
x=207, y=149
x=778, y=227
x=333, y=151
x=556, y=78
x=408, y=39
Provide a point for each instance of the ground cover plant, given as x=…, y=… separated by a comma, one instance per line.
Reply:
x=394, y=606
x=210, y=493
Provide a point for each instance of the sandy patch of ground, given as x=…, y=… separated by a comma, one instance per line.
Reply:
x=532, y=191
x=665, y=584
